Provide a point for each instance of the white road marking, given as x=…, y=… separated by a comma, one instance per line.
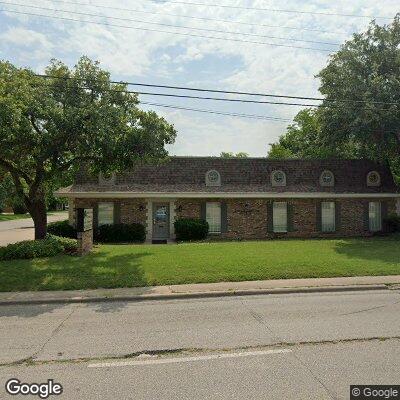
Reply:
x=187, y=359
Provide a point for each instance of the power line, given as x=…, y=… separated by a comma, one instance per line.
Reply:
x=233, y=92
x=185, y=96
x=193, y=17
x=169, y=25
x=182, y=96
x=270, y=9
x=168, y=32
x=251, y=116
x=173, y=106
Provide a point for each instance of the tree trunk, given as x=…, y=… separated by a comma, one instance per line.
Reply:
x=398, y=138
x=37, y=210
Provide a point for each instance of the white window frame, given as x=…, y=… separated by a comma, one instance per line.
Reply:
x=280, y=216
x=100, y=218
x=327, y=184
x=328, y=216
x=274, y=182
x=375, y=216
x=213, y=216
x=209, y=182
x=371, y=183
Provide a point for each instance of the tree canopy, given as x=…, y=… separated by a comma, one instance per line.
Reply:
x=360, y=114
x=361, y=87
x=226, y=154
x=49, y=126
x=305, y=139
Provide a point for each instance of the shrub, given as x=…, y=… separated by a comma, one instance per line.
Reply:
x=191, y=229
x=392, y=223
x=19, y=209
x=62, y=228
x=48, y=247
x=31, y=249
x=118, y=233
x=70, y=245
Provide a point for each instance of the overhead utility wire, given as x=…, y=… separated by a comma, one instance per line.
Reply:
x=182, y=96
x=232, y=92
x=168, y=32
x=252, y=116
x=193, y=17
x=271, y=9
x=232, y=114
x=169, y=25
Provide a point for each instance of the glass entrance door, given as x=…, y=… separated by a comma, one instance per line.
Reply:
x=161, y=221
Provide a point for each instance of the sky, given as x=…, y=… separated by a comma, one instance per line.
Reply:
x=264, y=46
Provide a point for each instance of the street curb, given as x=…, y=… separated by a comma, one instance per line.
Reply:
x=196, y=295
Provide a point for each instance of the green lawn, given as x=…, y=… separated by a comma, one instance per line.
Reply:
x=145, y=265
x=11, y=217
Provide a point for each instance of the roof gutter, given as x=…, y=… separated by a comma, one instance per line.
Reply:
x=230, y=195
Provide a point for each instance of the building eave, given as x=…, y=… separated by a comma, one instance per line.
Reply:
x=220, y=195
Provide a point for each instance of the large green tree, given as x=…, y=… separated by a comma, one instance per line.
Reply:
x=50, y=126
x=361, y=87
x=305, y=139
x=360, y=114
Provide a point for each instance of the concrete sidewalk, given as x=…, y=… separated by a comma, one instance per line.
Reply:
x=279, y=286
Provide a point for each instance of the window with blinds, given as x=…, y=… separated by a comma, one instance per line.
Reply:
x=375, y=216
x=328, y=216
x=213, y=217
x=105, y=214
x=280, y=216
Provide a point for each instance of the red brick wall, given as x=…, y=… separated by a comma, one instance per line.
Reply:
x=247, y=218
x=85, y=242
x=132, y=210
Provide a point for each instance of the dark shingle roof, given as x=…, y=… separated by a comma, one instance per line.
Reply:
x=187, y=174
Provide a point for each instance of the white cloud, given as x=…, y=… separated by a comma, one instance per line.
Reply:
x=202, y=136
x=183, y=60
x=24, y=37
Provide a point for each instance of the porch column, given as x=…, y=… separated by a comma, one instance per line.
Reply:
x=149, y=219
x=172, y=216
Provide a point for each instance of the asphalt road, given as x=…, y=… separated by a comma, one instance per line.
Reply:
x=22, y=229
x=308, y=346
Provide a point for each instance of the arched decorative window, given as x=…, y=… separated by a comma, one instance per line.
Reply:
x=278, y=178
x=327, y=178
x=373, y=179
x=107, y=180
x=213, y=178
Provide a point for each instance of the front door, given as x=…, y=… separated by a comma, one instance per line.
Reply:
x=160, y=221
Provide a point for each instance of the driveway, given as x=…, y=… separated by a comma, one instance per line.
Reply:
x=22, y=229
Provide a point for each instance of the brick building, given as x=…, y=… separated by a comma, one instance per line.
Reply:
x=251, y=198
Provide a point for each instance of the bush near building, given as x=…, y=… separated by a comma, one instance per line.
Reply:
x=121, y=233
x=392, y=223
x=187, y=229
x=62, y=228
x=48, y=247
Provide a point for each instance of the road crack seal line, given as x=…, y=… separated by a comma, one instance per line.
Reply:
x=53, y=334
x=190, y=350
x=260, y=319
x=370, y=309
x=311, y=372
